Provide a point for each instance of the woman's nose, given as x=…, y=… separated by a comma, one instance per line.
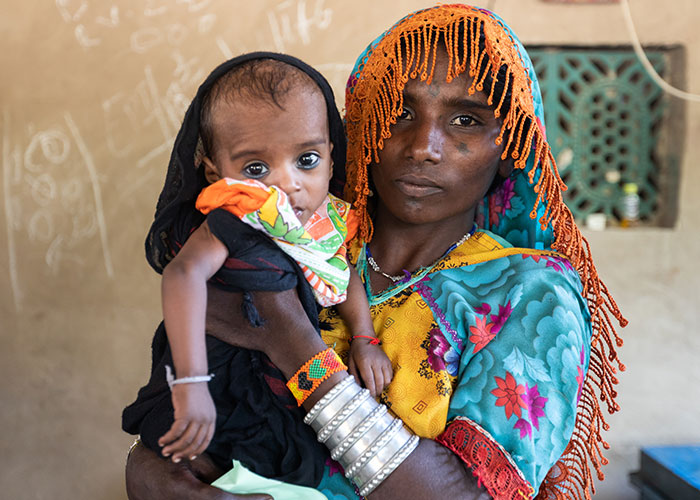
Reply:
x=427, y=142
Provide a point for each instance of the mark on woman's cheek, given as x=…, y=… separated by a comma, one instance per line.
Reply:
x=462, y=148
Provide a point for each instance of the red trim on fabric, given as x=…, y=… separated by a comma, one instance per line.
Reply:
x=280, y=390
x=234, y=263
x=270, y=265
x=486, y=460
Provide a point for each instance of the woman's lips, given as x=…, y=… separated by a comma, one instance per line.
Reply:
x=416, y=186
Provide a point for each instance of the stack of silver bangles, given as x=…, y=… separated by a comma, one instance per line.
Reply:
x=367, y=441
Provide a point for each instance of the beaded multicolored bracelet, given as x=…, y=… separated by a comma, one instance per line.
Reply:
x=307, y=379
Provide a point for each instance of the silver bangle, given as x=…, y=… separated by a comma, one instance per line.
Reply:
x=340, y=417
x=376, y=449
x=332, y=409
x=353, y=420
x=390, y=467
x=376, y=463
x=366, y=440
x=327, y=399
x=359, y=431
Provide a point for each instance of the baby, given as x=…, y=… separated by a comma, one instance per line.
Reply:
x=267, y=157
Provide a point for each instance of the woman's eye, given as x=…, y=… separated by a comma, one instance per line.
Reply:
x=307, y=161
x=463, y=121
x=405, y=115
x=255, y=170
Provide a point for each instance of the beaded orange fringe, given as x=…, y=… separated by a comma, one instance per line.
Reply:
x=408, y=50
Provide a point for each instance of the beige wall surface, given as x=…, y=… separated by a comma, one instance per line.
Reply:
x=92, y=96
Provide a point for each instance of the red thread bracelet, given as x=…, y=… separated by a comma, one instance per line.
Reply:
x=372, y=340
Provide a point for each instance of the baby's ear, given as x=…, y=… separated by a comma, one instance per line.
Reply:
x=211, y=173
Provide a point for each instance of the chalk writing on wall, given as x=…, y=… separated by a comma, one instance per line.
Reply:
x=292, y=22
x=53, y=202
x=95, y=22
x=154, y=107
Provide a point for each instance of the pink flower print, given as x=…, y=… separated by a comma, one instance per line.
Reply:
x=554, y=264
x=507, y=191
x=541, y=126
x=509, y=394
x=352, y=81
x=483, y=309
x=535, y=404
x=481, y=334
x=438, y=347
x=500, y=318
x=334, y=467
x=495, y=210
x=559, y=263
x=499, y=201
x=479, y=217
x=579, y=379
x=536, y=258
x=580, y=376
x=524, y=427
x=564, y=262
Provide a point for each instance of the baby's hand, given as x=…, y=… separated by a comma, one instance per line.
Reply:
x=195, y=420
x=372, y=364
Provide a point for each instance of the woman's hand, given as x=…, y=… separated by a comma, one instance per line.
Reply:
x=195, y=420
x=149, y=477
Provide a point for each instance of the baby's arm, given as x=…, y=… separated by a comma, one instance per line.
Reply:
x=366, y=357
x=184, y=293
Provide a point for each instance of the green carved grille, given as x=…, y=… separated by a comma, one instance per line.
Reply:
x=607, y=126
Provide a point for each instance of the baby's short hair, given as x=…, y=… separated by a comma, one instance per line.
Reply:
x=255, y=79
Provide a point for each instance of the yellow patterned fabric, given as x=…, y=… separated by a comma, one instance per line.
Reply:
x=418, y=394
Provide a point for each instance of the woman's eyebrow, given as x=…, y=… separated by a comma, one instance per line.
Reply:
x=466, y=102
x=452, y=102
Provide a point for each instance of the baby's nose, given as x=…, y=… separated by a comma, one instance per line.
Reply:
x=288, y=180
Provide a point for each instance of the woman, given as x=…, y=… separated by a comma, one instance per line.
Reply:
x=489, y=330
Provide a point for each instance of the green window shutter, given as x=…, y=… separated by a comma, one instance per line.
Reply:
x=609, y=124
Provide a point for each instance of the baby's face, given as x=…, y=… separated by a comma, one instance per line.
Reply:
x=287, y=147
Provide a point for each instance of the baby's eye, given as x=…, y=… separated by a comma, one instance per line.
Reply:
x=405, y=114
x=463, y=121
x=307, y=161
x=255, y=170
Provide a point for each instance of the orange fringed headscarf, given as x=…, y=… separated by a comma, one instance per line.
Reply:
x=374, y=100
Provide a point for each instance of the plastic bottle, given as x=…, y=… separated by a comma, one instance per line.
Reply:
x=630, y=205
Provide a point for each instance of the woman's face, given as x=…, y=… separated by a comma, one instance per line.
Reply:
x=441, y=157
